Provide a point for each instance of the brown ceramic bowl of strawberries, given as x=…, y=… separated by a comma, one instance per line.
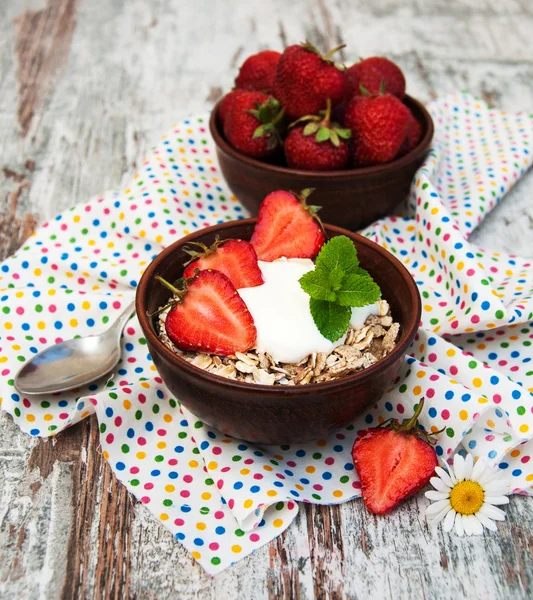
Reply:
x=358, y=141
x=274, y=414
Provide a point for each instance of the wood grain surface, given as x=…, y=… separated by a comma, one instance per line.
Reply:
x=85, y=86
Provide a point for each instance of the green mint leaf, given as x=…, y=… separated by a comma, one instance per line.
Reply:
x=331, y=319
x=318, y=285
x=358, y=289
x=338, y=252
x=336, y=277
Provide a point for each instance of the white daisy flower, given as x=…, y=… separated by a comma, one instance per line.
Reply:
x=466, y=495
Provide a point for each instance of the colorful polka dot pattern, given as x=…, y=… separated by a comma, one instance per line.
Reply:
x=221, y=497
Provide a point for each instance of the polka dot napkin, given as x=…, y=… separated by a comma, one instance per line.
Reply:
x=221, y=497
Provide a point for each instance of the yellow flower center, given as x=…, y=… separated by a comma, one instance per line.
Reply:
x=467, y=497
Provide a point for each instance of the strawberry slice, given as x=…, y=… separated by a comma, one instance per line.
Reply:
x=393, y=462
x=235, y=258
x=209, y=316
x=287, y=226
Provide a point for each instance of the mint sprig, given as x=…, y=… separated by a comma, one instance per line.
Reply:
x=336, y=284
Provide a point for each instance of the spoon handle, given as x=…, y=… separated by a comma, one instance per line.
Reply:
x=120, y=323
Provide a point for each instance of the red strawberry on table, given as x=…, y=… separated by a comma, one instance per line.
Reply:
x=317, y=144
x=372, y=73
x=236, y=259
x=209, y=316
x=305, y=80
x=287, y=226
x=379, y=127
x=257, y=71
x=393, y=462
x=226, y=104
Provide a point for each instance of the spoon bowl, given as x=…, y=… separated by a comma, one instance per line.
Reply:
x=73, y=363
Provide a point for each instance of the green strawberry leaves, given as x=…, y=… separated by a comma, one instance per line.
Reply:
x=325, y=133
x=337, y=284
x=322, y=128
x=311, y=128
x=270, y=115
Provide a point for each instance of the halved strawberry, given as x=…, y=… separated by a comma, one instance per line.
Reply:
x=235, y=258
x=209, y=316
x=393, y=462
x=287, y=226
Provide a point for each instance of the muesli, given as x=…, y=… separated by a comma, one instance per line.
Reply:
x=362, y=348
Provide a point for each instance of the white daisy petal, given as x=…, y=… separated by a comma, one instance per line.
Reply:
x=447, y=526
x=444, y=476
x=459, y=467
x=439, y=485
x=497, y=487
x=477, y=527
x=469, y=465
x=497, y=492
x=486, y=522
x=497, y=500
x=451, y=473
x=459, y=528
x=437, y=518
x=488, y=475
x=434, y=495
x=492, y=512
x=436, y=507
x=478, y=470
x=469, y=524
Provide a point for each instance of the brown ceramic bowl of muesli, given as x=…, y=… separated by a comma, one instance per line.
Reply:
x=250, y=397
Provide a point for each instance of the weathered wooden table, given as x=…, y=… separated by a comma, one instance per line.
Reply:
x=85, y=85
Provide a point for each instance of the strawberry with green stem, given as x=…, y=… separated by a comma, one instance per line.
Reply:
x=234, y=258
x=254, y=123
x=314, y=143
x=287, y=227
x=208, y=315
x=393, y=461
x=305, y=80
x=371, y=73
x=379, y=125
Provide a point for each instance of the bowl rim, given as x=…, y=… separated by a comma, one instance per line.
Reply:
x=399, y=163
x=273, y=390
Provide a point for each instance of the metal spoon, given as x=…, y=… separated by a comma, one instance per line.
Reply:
x=73, y=363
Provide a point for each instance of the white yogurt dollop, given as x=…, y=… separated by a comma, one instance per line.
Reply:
x=361, y=314
x=280, y=309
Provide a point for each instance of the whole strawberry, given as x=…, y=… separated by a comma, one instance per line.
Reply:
x=414, y=135
x=252, y=124
x=226, y=104
x=393, y=462
x=316, y=144
x=305, y=80
x=379, y=127
x=371, y=73
x=257, y=72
